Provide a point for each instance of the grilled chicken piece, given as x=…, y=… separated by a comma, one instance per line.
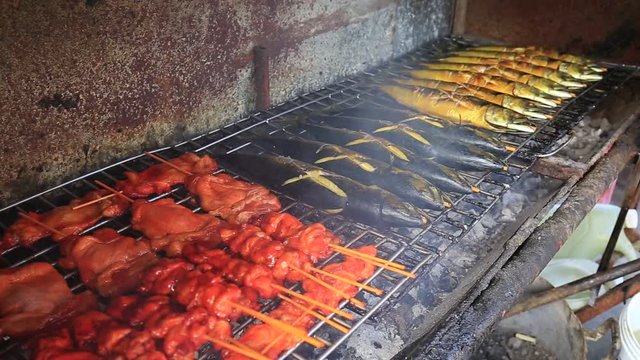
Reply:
x=64, y=219
x=235, y=270
x=108, y=262
x=182, y=333
x=160, y=178
x=197, y=288
x=313, y=240
x=271, y=341
x=234, y=200
x=35, y=297
x=60, y=346
x=170, y=226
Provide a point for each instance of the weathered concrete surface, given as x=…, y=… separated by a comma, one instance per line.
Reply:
x=83, y=83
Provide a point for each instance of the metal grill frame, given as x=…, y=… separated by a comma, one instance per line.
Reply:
x=412, y=247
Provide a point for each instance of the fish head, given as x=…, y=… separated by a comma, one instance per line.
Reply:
x=506, y=120
x=580, y=72
x=396, y=212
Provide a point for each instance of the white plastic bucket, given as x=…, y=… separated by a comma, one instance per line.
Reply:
x=630, y=330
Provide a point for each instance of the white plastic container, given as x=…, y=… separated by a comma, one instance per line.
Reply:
x=590, y=238
x=630, y=330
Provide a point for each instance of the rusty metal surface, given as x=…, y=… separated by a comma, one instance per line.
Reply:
x=600, y=28
x=83, y=83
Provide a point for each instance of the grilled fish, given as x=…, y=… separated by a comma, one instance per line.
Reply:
x=382, y=150
x=521, y=106
x=434, y=127
x=326, y=190
x=361, y=168
x=545, y=85
x=552, y=54
x=488, y=82
x=576, y=71
x=446, y=151
x=544, y=72
x=459, y=110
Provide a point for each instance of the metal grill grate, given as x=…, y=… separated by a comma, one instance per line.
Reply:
x=417, y=248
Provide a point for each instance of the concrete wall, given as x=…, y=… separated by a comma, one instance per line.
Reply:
x=83, y=83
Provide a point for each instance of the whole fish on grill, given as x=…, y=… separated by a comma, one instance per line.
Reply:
x=547, y=73
x=545, y=85
x=552, y=54
x=521, y=106
x=377, y=148
x=576, y=71
x=325, y=190
x=361, y=168
x=459, y=110
x=493, y=83
x=444, y=150
x=437, y=130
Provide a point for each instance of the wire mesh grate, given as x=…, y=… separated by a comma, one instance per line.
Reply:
x=417, y=248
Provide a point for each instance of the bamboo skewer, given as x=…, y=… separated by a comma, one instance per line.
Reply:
x=368, y=288
x=366, y=256
x=377, y=263
x=94, y=201
x=114, y=191
x=237, y=343
x=368, y=259
x=168, y=163
x=390, y=268
x=41, y=224
x=329, y=322
x=277, y=338
x=280, y=324
x=291, y=293
x=324, y=284
x=153, y=156
x=235, y=348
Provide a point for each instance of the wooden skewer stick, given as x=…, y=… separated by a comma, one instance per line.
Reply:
x=366, y=256
x=237, y=343
x=42, y=225
x=280, y=324
x=250, y=354
x=313, y=302
x=382, y=265
x=324, y=284
x=168, y=163
x=114, y=191
x=275, y=341
x=315, y=314
x=368, y=288
x=94, y=201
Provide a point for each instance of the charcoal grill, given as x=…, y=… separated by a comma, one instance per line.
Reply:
x=430, y=252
